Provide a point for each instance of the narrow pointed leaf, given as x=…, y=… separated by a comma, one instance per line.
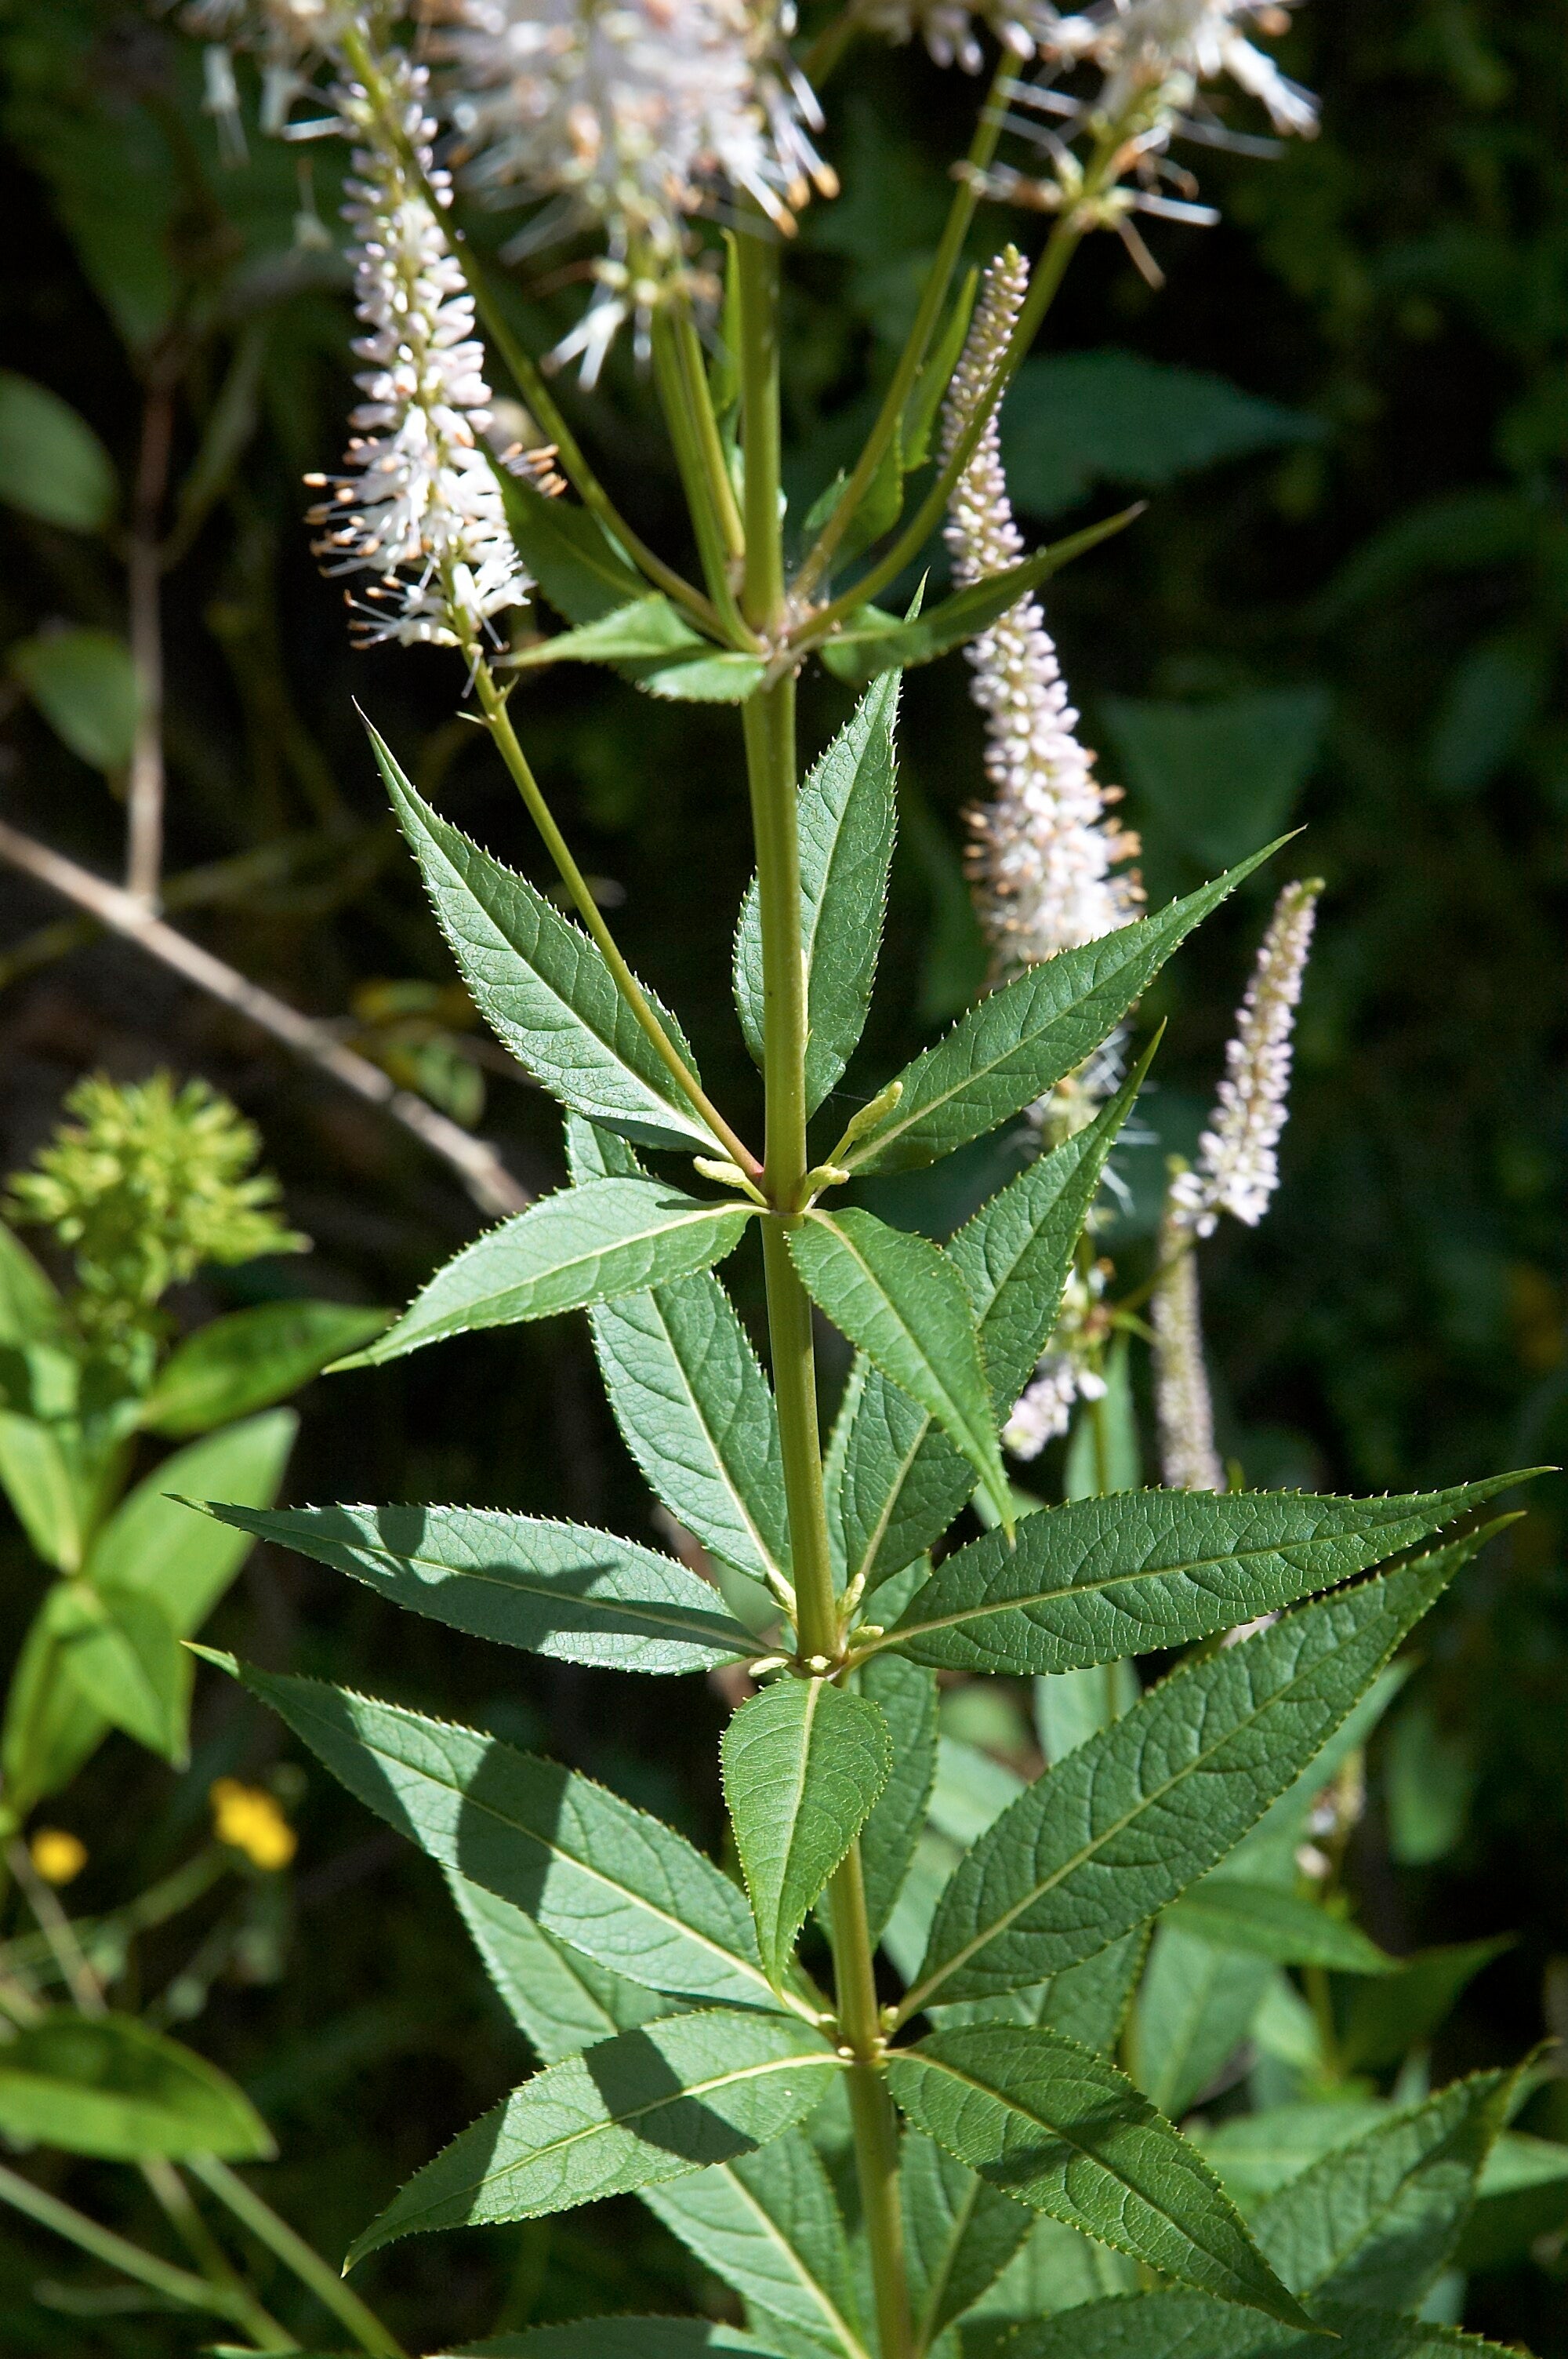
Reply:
x=903, y=1303
x=121, y=1652
x=1088, y=2003
x=649, y=2104
x=110, y=2085
x=588, y=1867
x=905, y=1695
x=1021, y=1040
x=584, y=1246
x=1373, y=2223
x=1261, y=1918
x=1095, y=1579
x=645, y=628
x=1115, y=1832
x=846, y=815
x=769, y=2226
x=579, y=569
x=562, y=2000
x=541, y=984
x=555, y=1589
x=1060, y=2129
x=234, y=1365
x=1191, y=2326
x=621, y=2338
x=959, y=2233
x=1196, y=2007
x=804, y=1762
x=895, y=1482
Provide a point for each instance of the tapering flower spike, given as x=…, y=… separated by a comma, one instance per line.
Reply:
x=1237, y=1166
x=1046, y=860
x=1183, y=1410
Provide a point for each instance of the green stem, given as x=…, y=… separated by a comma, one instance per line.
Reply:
x=769, y=722
x=709, y=495
x=961, y=212
x=500, y=725
x=268, y=2229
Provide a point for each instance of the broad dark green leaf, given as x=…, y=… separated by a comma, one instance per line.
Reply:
x=1088, y=2003
x=584, y=1246
x=1196, y=2007
x=153, y=1543
x=845, y=814
x=1523, y=2194
x=560, y=1999
x=904, y=1303
x=1232, y=1913
x=1388, y=2017
x=621, y=2338
x=959, y=2233
x=1116, y=1831
x=1374, y=2221
x=1190, y=2326
x=84, y=684
x=119, y=1651
x=111, y=2086
x=769, y=2226
x=52, y=465
x=579, y=570
x=648, y=2105
x=541, y=984
x=1095, y=1579
x=871, y=642
x=804, y=1762
x=235, y=1365
x=555, y=1589
x=588, y=1867
x=1020, y=1041
x=905, y=1695
x=1060, y=2129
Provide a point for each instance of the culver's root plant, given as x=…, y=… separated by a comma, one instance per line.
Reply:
x=910, y=2086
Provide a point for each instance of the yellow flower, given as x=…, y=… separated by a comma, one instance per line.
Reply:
x=56, y=1856
x=246, y=1818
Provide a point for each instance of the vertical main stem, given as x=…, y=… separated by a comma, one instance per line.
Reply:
x=769, y=722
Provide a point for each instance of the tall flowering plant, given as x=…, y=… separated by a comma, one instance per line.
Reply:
x=911, y=2079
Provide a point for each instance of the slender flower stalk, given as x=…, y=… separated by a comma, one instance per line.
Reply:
x=1182, y=1407
x=1238, y=1165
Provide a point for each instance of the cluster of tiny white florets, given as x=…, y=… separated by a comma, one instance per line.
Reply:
x=1065, y=1373
x=1238, y=1167
x=419, y=509
x=631, y=114
x=1045, y=856
x=289, y=37
x=1174, y=46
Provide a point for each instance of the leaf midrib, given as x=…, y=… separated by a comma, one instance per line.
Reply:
x=598, y=1253
x=959, y=1415
x=814, y=2285
x=765, y=1558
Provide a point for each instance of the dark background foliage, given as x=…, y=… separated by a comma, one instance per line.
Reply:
x=1344, y=609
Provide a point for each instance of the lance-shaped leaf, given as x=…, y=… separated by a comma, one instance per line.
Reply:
x=579, y=570
x=903, y=1303
x=1196, y=2007
x=562, y=2000
x=1060, y=2129
x=959, y=2233
x=1232, y=1913
x=1192, y=2326
x=649, y=2104
x=1095, y=1579
x=846, y=815
x=584, y=1246
x=1088, y=2003
x=693, y=1408
x=769, y=2224
x=1021, y=1040
x=621, y=2338
x=121, y=1652
x=556, y=1589
x=541, y=984
x=895, y=1481
x=905, y=1695
x=111, y=2086
x=251, y=1359
x=1373, y=2223
x=804, y=1762
x=1116, y=1831
x=586, y=1866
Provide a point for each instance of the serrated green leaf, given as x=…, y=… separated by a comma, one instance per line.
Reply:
x=1232, y=1913
x=111, y=2086
x=568, y=1251
x=120, y=1653
x=1257, y=2154
x=1374, y=2221
x=621, y=2338
x=1095, y=1579
x=769, y=2226
x=645, y=628
x=845, y=814
x=649, y=2104
x=540, y=983
x=588, y=1867
x=235, y=1365
x=907, y=1698
x=959, y=2233
x=1523, y=2194
x=1196, y=2007
x=804, y=1761
x=1088, y=2003
x=1116, y=1831
x=1191, y=2326
x=580, y=1596
x=1059, y=2129
x=895, y=1481
x=1021, y=1040
x=579, y=570
x=560, y=2000
x=904, y=1303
